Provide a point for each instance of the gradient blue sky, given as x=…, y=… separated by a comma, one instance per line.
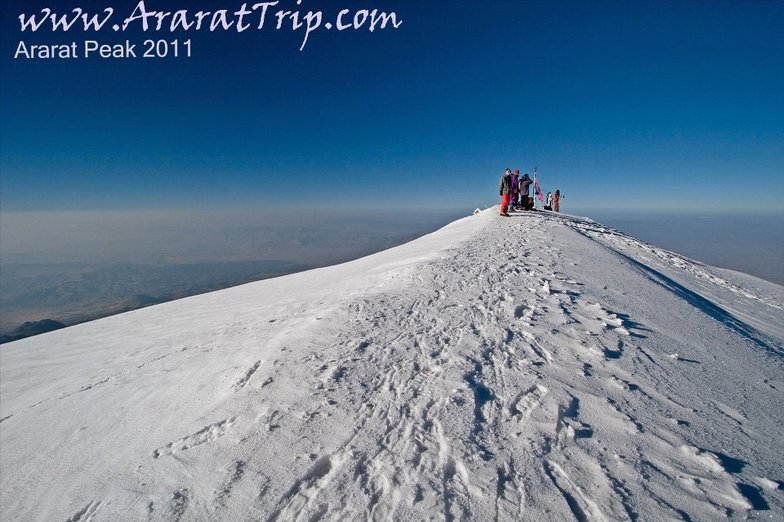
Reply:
x=646, y=105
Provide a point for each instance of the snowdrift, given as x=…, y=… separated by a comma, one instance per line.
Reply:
x=537, y=367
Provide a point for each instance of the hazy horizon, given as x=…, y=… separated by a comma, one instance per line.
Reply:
x=80, y=265
x=752, y=243
x=77, y=266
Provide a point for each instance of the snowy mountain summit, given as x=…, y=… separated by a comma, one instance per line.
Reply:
x=536, y=367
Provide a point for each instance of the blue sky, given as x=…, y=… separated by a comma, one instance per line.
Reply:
x=642, y=105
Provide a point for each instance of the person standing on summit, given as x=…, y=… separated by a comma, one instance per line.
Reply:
x=513, y=200
x=505, y=189
x=523, y=186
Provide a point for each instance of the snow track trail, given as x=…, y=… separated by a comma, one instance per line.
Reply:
x=536, y=367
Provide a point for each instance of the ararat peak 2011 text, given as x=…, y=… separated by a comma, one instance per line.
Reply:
x=92, y=49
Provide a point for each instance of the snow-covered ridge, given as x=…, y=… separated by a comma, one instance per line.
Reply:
x=536, y=367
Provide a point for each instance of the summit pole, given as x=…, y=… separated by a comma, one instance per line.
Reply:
x=536, y=196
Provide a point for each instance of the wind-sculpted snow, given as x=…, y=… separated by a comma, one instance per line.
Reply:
x=537, y=367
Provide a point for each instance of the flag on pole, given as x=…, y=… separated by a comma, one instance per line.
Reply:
x=538, y=189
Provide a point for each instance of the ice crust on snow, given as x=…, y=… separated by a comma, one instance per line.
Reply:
x=536, y=367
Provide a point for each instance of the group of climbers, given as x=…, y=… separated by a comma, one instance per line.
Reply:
x=514, y=192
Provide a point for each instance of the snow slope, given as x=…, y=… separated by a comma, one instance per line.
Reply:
x=537, y=367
